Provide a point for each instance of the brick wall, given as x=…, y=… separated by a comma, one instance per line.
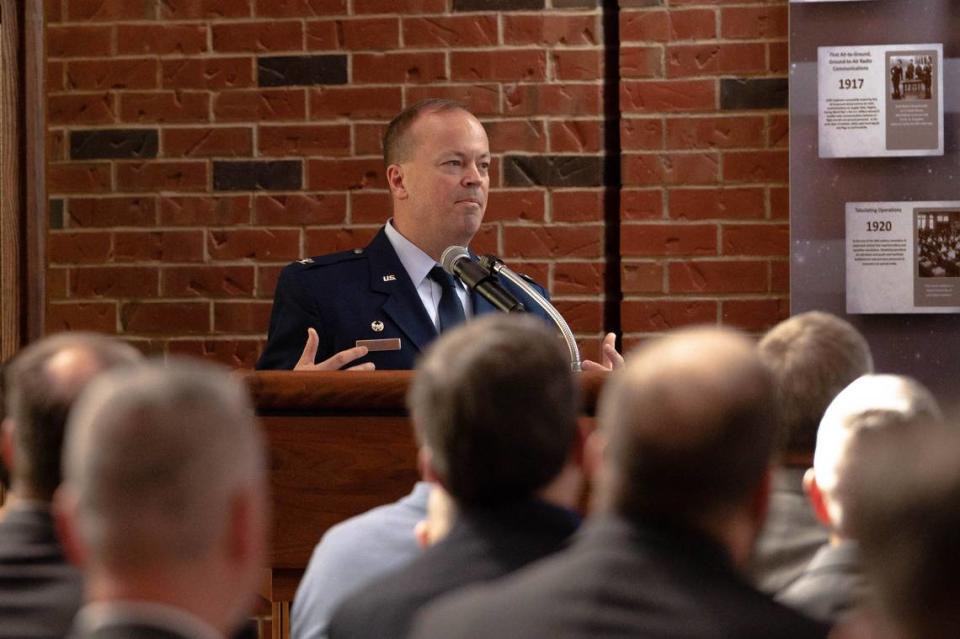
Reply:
x=197, y=146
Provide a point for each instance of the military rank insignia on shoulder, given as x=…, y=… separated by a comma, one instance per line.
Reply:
x=330, y=258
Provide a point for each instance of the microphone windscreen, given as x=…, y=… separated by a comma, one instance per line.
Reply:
x=451, y=255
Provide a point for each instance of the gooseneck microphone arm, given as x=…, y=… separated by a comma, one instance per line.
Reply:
x=456, y=260
x=493, y=264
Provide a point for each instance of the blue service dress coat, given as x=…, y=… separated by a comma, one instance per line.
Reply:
x=360, y=294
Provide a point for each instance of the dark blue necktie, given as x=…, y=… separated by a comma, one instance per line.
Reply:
x=449, y=311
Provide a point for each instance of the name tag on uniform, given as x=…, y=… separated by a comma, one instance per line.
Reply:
x=373, y=345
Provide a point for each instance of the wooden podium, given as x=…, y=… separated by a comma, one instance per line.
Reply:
x=339, y=444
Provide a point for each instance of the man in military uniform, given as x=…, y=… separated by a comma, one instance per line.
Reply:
x=437, y=167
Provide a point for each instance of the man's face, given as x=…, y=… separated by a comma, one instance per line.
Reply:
x=440, y=189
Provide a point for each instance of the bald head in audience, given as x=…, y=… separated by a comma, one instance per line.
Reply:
x=164, y=496
x=689, y=436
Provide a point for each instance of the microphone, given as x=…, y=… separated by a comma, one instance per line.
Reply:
x=456, y=261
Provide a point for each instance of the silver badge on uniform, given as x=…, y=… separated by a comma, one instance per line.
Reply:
x=390, y=278
x=376, y=326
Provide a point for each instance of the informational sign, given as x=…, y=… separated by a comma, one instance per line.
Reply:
x=879, y=101
x=903, y=257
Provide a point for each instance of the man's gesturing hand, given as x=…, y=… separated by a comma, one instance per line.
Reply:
x=336, y=362
x=610, y=359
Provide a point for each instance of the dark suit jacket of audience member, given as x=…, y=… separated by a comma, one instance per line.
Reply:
x=40, y=591
x=618, y=580
x=483, y=544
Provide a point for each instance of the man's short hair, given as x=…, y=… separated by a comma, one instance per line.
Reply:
x=496, y=403
x=813, y=357
x=396, y=139
x=154, y=456
x=41, y=386
x=869, y=404
x=688, y=427
x=902, y=503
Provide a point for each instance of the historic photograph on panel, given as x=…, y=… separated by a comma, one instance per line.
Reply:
x=938, y=243
x=911, y=76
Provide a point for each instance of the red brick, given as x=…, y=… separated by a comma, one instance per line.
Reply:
x=756, y=239
x=662, y=315
x=162, y=39
x=376, y=34
x=370, y=207
x=401, y=68
x=481, y=99
x=158, y=246
x=641, y=134
x=755, y=315
x=208, y=73
x=577, y=206
x=511, y=205
x=718, y=277
x=109, y=10
x=166, y=106
x=205, y=210
x=78, y=41
x=668, y=239
x=577, y=65
x=644, y=26
x=652, y=169
x=549, y=30
x=207, y=142
x=780, y=276
x=641, y=62
x=487, y=240
x=241, y=317
x=578, y=278
x=583, y=316
x=56, y=282
x=715, y=132
x=78, y=248
x=709, y=59
x=778, y=131
x=754, y=23
x=258, y=244
x=323, y=241
x=53, y=10
x=258, y=106
x=355, y=102
x=56, y=146
x=234, y=353
x=79, y=177
x=114, y=282
x=504, y=65
x=299, y=8
x=56, y=74
x=165, y=318
x=316, y=139
x=81, y=109
x=162, y=176
x=208, y=281
x=323, y=35
x=724, y=203
x=127, y=73
x=111, y=211
x=641, y=277
x=400, y=6
x=553, y=241
x=638, y=204
x=575, y=136
x=693, y=24
x=450, y=31
x=190, y=9
x=517, y=135
x=780, y=203
x=300, y=209
x=652, y=96
x=345, y=173
x=756, y=166
x=367, y=138
x=552, y=99
x=256, y=37
x=779, y=55
x=100, y=317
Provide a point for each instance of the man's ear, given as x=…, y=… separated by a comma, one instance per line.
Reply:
x=817, y=499
x=7, y=446
x=396, y=180
x=65, y=520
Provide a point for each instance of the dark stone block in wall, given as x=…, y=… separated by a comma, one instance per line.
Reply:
x=279, y=175
x=113, y=144
x=633, y=4
x=553, y=170
x=56, y=213
x=575, y=4
x=498, y=5
x=760, y=93
x=282, y=71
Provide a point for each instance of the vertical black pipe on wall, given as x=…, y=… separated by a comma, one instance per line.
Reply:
x=611, y=168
